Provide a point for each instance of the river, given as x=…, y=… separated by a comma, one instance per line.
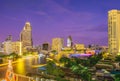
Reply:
x=23, y=66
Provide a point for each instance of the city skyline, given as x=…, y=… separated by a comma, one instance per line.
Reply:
x=85, y=21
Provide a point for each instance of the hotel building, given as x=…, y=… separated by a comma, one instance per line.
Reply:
x=114, y=31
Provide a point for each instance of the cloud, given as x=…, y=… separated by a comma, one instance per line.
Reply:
x=52, y=7
x=11, y=18
x=40, y=13
x=90, y=38
x=99, y=28
x=63, y=14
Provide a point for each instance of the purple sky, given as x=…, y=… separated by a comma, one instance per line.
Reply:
x=84, y=20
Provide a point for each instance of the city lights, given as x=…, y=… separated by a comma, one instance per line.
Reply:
x=59, y=40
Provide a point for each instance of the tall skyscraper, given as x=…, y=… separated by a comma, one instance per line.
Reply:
x=69, y=41
x=114, y=31
x=57, y=44
x=26, y=36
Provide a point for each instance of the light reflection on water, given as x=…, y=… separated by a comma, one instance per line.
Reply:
x=23, y=66
x=20, y=67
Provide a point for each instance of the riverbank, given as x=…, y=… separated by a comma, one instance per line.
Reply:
x=4, y=64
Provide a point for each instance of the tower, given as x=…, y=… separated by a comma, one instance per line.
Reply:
x=69, y=41
x=57, y=44
x=114, y=31
x=26, y=36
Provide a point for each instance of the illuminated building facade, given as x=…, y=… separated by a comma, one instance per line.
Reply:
x=79, y=46
x=10, y=47
x=26, y=36
x=1, y=47
x=17, y=47
x=114, y=31
x=7, y=45
x=57, y=44
x=69, y=41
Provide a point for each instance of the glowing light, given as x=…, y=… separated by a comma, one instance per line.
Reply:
x=20, y=48
x=20, y=67
x=80, y=55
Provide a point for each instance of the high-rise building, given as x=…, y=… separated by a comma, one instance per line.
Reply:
x=69, y=41
x=114, y=31
x=46, y=46
x=26, y=36
x=57, y=44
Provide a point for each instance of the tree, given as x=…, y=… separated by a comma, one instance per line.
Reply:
x=81, y=71
x=117, y=58
x=60, y=79
x=117, y=77
x=93, y=60
x=50, y=66
x=66, y=61
x=52, y=69
x=76, y=66
x=13, y=56
x=54, y=51
x=90, y=62
x=1, y=60
x=79, y=66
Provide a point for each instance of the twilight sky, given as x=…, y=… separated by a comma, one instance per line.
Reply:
x=84, y=20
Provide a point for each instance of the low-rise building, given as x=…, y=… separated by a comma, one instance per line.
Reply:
x=79, y=46
x=7, y=46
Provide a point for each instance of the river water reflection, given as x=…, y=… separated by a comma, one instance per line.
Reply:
x=23, y=66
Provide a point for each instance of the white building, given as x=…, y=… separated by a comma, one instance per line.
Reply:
x=7, y=47
x=69, y=41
